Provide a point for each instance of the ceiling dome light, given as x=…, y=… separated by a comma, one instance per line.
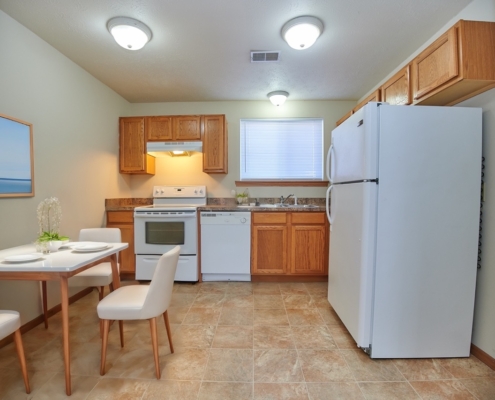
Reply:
x=278, y=97
x=129, y=33
x=302, y=32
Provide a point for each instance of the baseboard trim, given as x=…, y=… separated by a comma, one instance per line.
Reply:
x=288, y=278
x=482, y=356
x=40, y=319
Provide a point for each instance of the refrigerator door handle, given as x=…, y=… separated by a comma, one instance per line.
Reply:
x=329, y=163
x=329, y=214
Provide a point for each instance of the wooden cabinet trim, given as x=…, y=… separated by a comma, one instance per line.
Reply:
x=344, y=117
x=375, y=96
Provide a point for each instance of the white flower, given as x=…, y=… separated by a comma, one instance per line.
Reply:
x=49, y=215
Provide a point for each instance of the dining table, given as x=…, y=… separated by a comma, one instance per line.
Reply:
x=25, y=263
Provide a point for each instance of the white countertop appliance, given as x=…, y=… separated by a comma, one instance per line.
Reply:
x=404, y=215
x=171, y=220
x=226, y=245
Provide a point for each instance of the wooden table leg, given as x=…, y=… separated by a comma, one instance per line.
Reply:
x=115, y=272
x=64, y=291
x=45, y=303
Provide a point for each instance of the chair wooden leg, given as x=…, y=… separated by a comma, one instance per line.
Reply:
x=121, y=331
x=104, y=342
x=154, y=341
x=111, y=287
x=20, y=353
x=45, y=303
x=169, y=333
x=101, y=292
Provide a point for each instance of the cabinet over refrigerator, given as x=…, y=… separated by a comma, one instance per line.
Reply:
x=403, y=204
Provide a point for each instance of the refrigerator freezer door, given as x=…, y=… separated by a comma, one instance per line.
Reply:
x=352, y=246
x=427, y=231
x=354, y=149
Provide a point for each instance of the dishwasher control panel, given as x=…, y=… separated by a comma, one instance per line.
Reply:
x=225, y=218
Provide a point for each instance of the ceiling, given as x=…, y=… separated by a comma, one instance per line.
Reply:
x=200, y=50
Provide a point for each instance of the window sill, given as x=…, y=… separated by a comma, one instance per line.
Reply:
x=281, y=183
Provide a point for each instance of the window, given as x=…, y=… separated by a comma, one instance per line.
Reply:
x=282, y=149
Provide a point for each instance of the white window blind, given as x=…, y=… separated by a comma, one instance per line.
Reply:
x=282, y=149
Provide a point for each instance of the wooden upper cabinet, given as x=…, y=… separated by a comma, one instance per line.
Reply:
x=397, y=90
x=158, y=128
x=437, y=64
x=187, y=127
x=458, y=65
x=173, y=128
x=133, y=157
x=375, y=96
x=215, y=160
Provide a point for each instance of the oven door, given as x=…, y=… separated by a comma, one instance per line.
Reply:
x=160, y=231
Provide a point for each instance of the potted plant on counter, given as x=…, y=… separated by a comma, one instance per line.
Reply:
x=49, y=215
x=242, y=198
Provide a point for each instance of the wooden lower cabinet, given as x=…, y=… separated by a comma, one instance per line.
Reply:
x=124, y=220
x=289, y=244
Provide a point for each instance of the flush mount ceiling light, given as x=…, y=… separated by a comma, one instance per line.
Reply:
x=129, y=33
x=302, y=32
x=278, y=97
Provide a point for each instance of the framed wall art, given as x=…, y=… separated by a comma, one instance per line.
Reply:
x=16, y=158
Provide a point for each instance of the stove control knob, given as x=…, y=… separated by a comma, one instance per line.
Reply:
x=195, y=192
x=243, y=220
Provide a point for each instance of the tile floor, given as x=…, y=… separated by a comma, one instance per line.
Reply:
x=234, y=341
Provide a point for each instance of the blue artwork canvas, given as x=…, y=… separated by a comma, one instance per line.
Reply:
x=16, y=158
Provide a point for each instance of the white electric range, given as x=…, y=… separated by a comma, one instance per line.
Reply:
x=171, y=220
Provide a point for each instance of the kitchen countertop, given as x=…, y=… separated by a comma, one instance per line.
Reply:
x=225, y=204
x=290, y=207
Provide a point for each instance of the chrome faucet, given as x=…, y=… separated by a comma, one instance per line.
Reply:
x=282, y=200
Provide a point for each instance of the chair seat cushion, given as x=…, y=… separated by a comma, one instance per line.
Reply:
x=9, y=322
x=124, y=303
x=99, y=275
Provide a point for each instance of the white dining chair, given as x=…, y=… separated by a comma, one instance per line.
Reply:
x=10, y=322
x=97, y=276
x=138, y=302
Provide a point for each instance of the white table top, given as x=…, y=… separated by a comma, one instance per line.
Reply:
x=62, y=260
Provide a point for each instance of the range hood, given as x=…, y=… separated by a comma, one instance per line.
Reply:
x=161, y=149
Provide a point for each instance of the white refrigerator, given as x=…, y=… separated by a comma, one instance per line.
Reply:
x=403, y=206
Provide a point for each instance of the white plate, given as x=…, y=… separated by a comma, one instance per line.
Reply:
x=23, y=258
x=90, y=246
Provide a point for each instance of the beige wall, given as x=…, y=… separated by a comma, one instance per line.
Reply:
x=484, y=318
x=171, y=171
x=75, y=129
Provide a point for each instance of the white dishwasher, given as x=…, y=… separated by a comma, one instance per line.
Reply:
x=225, y=246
